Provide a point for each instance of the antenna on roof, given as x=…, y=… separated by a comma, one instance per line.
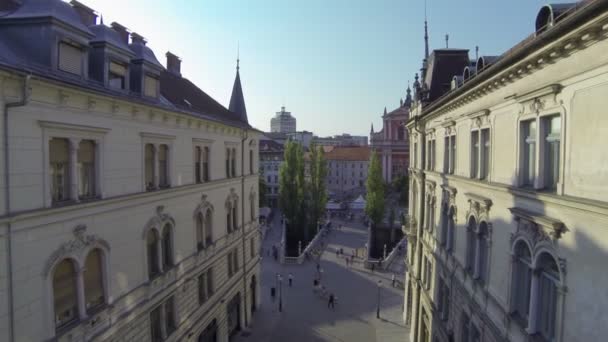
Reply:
x=476, y=52
x=447, y=38
x=101, y=18
x=237, y=55
x=426, y=35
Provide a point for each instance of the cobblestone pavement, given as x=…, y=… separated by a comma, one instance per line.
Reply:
x=307, y=318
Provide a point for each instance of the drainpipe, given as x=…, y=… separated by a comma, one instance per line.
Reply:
x=244, y=135
x=25, y=96
x=419, y=233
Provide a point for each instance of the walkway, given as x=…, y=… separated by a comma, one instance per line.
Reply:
x=305, y=316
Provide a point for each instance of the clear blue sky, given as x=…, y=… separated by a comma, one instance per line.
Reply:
x=335, y=64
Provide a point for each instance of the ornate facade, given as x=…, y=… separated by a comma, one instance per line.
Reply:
x=508, y=181
x=129, y=206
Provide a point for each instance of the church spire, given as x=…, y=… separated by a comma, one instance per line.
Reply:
x=408, y=96
x=426, y=34
x=372, y=131
x=237, y=101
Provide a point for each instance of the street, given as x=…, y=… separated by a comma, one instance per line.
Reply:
x=305, y=315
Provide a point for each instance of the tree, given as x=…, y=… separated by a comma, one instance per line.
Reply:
x=262, y=189
x=318, y=193
x=291, y=184
x=401, y=187
x=374, y=208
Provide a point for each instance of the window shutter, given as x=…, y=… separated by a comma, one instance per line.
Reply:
x=150, y=85
x=70, y=59
x=118, y=69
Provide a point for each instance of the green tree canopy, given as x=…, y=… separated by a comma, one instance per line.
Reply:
x=318, y=193
x=291, y=184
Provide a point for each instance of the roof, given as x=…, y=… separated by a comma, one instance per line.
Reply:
x=186, y=95
x=443, y=64
x=267, y=146
x=349, y=153
x=143, y=52
x=57, y=9
x=237, y=101
x=105, y=34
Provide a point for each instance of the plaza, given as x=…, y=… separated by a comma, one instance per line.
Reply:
x=305, y=316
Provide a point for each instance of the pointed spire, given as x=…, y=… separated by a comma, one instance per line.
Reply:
x=401, y=102
x=408, y=96
x=237, y=101
x=384, y=111
x=426, y=34
x=372, y=131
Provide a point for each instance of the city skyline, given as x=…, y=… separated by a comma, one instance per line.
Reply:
x=339, y=72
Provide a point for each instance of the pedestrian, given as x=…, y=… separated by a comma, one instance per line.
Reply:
x=330, y=302
x=341, y=251
x=318, y=266
x=337, y=253
x=352, y=259
x=290, y=278
x=373, y=266
x=393, y=279
x=272, y=293
x=346, y=261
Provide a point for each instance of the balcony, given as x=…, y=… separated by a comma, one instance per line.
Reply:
x=409, y=227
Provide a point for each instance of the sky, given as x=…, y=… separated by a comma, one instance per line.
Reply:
x=335, y=64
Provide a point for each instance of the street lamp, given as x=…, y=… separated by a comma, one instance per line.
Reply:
x=378, y=306
x=280, y=293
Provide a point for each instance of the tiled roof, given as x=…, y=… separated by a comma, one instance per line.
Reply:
x=348, y=153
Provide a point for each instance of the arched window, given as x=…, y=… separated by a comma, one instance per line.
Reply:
x=251, y=161
x=235, y=223
x=229, y=218
x=200, y=233
x=64, y=293
x=167, y=247
x=548, y=280
x=522, y=280
x=209, y=227
x=149, y=166
x=93, y=280
x=471, y=244
x=481, y=262
x=152, y=244
x=197, y=165
x=444, y=224
x=86, y=169
x=451, y=230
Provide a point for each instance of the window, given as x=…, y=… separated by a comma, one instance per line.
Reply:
x=431, y=155
x=269, y=179
x=209, y=228
x=167, y=247
x=471, y=245
x=163, y=166
x=547, y=293
x=451, y=230
x=522, y=281
x=233, y=162
x=444, y=224
x=170, y=315
x=233, y=262
x=251, y=161
x=229, y=218
x=150, y=86
x=205, y=286
x=443, y=299
x=400, y=133
x=149, y=165
x=156, y=334
x=59, y=169
x=446, y=154
x=64, y=293
x=210, y=333
x=252, y=247
x=200, y=232
x=228, y=163
x=235, y=224
x=197, y=164
x=552, y=137
x=484, y=168
x=86, y=169
x=93, y=285
x=529, y=152
x=206, y=164
x=252, y=207
x=152, y=245
x=70, y=58
x=474, y=153
x=453, y=154
x=481, y=262
x=117, y=76
x=415, y=154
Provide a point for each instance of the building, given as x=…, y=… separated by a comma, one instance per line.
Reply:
x=391, y=142
x=508, y=187
x=128, y=208
x=283, y=122
x=346, y=169
x=271, y=158
x=343, y=139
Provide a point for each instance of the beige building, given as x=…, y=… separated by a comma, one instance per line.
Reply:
x=346, y=169
x=129, y=206
x=508, y=173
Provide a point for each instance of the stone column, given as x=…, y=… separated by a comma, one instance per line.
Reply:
x=82, y=309
x=74, y=177
x=156, y=165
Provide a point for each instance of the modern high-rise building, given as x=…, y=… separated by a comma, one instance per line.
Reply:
x=128, y=209
x=508, y=187
x=283, y=122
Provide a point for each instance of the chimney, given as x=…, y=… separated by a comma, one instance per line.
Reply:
x=137, y=39
x=87, y=14
x=174, y=64
x=122, y=32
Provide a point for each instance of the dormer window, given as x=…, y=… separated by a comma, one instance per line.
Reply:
x=150, y=86
x=117, y=76
x=70, y=58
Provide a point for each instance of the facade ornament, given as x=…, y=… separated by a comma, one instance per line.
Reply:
x=159, y=220
x=75, y=248
x=91, y=103
x=479, y=207
x=536, y=227
x=63, y=97
x=232, y=198
x=203, y=206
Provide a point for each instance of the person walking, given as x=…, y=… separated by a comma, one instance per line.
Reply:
x=330, y=302
x=290, y=278
x=373, y=266
x=393, y=279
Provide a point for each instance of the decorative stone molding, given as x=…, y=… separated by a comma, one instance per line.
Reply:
x=203, y=206
x=538, y=100
x=63, y=97
x=537, y=227
x=75, y=248
x=91, y=103
x=481, y=118
x=479, y=207
x=232, y=198
x=158, y=220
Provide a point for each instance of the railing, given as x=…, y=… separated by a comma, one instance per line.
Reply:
x=307, y=250
x=393, y=254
